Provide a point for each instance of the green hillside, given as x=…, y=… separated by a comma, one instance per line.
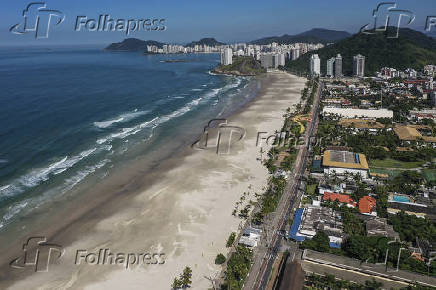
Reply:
x=242, y=65
x=316, y=35
x=205, y=41
x=412, y=49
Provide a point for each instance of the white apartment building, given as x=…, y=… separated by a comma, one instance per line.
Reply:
x=330, y=67
x=226, y=56
x=315, y=65
x=338, y=66
x=359, y=65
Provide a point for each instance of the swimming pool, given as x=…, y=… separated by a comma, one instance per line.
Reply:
x=401, y=198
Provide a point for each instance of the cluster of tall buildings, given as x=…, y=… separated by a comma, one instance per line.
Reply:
x=334, y=66
x=272, y=60
x=270, y=55
x=174, y=48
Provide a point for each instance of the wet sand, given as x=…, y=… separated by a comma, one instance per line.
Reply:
x=182, y=209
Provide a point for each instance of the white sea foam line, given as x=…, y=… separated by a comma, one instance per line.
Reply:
x=73, y=181
x=4, y=187
x=125, y=132
x=15, y=209
x=125, y=117
x=66, y=163
x=36, y=176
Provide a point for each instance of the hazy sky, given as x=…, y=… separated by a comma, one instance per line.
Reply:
x=187, y=20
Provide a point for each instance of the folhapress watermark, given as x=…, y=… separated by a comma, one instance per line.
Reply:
x=107, y=23
x=37, y=254
x=388, y=15
x=38, y=19
x=219, y=136
x=277, y=139
x=107, y=257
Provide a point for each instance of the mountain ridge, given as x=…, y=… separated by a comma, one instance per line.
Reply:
x=209, y=41
x=315, y=35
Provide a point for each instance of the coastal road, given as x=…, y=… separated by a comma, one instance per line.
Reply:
x=266, y=254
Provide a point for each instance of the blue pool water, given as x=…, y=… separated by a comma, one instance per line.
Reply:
x=400, y=198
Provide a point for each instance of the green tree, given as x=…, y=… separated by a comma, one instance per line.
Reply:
x=373, y=285
x=186, y=277
x=320, y=242
x=220, y=259
x=177, y=284
x=231, y=240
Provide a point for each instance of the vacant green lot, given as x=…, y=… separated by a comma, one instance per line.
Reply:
x=391, y=163
x=390, y=172
x=310, y=189
x=429, y=175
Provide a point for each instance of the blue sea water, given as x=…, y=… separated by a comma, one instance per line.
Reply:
x=67, y=114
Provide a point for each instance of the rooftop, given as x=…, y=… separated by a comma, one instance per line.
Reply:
x=344, y=159
x=339, y=197
x=367, y=204
x=409, y=133
x=361, y=124
x=379, y=227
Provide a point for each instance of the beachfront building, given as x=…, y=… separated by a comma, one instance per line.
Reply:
x=359, y=65
x=340, y=162
x=330, y=67
x=357, y=113
x=272, y=60
x=226, y=56
x=295, y=53
x=266, y=60
x=308, y=221
x=315, y=65
x=250, y=237
x=281, y=59
x=338, y=66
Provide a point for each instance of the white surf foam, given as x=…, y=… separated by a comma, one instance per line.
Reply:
x=36, y=176
x=125, y=117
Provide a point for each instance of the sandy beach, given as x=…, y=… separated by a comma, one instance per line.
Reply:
x=183, y=210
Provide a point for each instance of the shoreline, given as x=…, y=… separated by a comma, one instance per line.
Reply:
x=179, y=208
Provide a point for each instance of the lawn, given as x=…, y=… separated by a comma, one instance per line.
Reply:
x=390, y=172
x=391, y=163
x=429, y=175
x=310, y=189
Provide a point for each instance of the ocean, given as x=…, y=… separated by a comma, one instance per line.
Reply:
x=72, y=116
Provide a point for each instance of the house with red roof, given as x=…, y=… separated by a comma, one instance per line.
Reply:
x=367, y=205
x=342, y=198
